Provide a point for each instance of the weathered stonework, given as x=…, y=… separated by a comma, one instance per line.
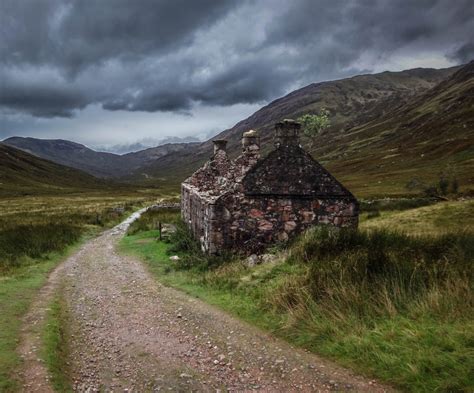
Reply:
x=250, y=202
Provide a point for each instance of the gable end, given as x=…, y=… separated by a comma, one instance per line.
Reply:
x=289, y=171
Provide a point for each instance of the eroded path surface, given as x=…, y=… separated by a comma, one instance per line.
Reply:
x=129, y=333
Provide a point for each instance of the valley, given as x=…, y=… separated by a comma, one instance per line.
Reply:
x=386, y=130
x=297, y=322
x=236, y=196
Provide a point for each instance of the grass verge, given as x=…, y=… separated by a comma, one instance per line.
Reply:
x=17, y=291
x=390, y=305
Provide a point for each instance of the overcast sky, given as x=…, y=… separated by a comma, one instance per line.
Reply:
x=108, y=72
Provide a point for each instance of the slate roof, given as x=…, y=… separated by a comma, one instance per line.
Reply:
x=290, y=171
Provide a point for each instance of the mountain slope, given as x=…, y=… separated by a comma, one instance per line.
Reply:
x=387, y=129
x=99, y=164
x=353, y=102
x=432, y=133
x=24, y=174
x=68, y=153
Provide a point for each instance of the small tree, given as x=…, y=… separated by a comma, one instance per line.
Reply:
x=314, y=124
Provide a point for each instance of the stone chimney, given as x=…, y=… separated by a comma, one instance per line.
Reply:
x=251, y=142
x=287, y=132
x=220, y=145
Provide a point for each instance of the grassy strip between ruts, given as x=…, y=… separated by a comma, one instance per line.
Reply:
x=414, y=333
x=55, y=347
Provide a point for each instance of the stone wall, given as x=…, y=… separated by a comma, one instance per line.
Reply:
x=249, y=224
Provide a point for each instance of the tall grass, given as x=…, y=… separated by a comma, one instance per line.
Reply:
x=36, y=230
x=381, y=273
x=34, y=241
x=395, y=305
x=192, y=257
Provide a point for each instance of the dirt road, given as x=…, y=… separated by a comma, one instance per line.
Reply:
x=129, y=333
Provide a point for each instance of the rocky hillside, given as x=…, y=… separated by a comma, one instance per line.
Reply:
x=99, y=164
x=24, y=174
x=357, y=105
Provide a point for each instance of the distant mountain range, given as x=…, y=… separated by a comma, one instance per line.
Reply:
x=387, y=129
x=24, y=174
x=100, y=164
x=144, y=144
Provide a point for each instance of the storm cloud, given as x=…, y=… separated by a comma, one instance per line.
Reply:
x=57, y=57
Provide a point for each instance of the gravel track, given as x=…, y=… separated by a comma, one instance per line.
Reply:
x=129, y=333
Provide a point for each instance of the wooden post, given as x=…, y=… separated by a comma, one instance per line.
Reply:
x=159, y=228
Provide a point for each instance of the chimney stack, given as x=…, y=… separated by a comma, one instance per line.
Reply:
x=220, y=145
x=250, y=142
x=287, y=132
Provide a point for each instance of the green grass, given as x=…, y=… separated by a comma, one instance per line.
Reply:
x=434, y=219
x=390, y=305
x=33, y=227
x=55, y=346
x=17, y=291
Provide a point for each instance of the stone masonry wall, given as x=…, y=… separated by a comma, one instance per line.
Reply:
x=193, y=209
x=249, y=224
x=200, y=214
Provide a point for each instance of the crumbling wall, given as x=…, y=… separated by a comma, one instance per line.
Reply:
x=200, y=214
x=192, y=210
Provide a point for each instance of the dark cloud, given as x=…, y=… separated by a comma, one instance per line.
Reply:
x=58, y=56
x=464, y=53
x=73, y=35
x=41, y=94
x=43, y=101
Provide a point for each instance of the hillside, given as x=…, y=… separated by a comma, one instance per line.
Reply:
x=386, y=129
x=100, y=164
x=24, y=174
x=432, y=133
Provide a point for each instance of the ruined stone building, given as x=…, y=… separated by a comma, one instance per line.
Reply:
x=250, y=202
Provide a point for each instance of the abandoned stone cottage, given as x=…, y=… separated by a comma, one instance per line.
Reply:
x=250, y=202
